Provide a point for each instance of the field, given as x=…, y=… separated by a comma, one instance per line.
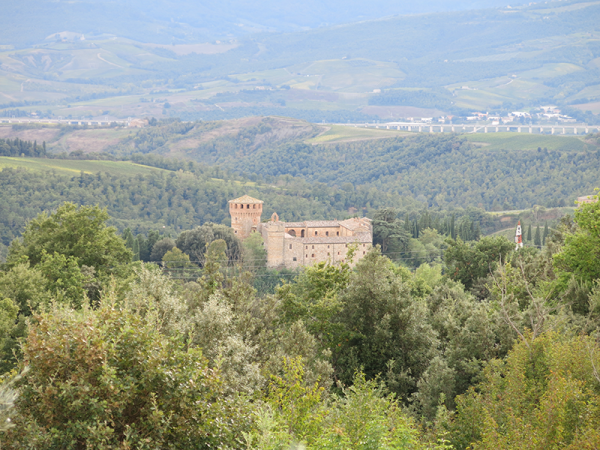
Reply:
x=74, y=167
x=341, y=133
x=525, y=141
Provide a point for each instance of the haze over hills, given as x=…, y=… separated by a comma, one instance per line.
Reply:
x=166, y=21
x=162, y=59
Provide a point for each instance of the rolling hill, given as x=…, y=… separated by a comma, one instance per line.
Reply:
x=438, y=62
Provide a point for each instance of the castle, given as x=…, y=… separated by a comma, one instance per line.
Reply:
x=295, y=244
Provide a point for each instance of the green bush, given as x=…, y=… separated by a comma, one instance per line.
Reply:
x=108, y=379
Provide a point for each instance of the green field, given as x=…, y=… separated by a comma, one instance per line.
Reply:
x=342, y=133
x=73, y=167
x=526, y=141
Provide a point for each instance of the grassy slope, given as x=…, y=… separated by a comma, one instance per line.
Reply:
x=341, y=133
x=525, y=141
x=71, y=167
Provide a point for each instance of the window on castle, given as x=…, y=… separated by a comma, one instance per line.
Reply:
x=313, y=255
x=327, y=233
x=328, y=246
x=290, y=246
x=328, y=254
x=294, y=259
x=337, y=233
x=313, y=247
x=338, y=253
x=302, y=233
x=307, y=256
x=364, y=253
x=316, y=233
x=307, y=247
x=253, y=206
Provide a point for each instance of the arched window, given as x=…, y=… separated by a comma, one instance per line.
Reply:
x=327, y=233
x=316, y=233
x=292, y=233
x=302, y=233
x=337, y=233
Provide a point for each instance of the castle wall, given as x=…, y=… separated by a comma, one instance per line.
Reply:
x=297, y=244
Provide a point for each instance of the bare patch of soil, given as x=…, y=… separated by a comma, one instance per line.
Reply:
x=36, y=134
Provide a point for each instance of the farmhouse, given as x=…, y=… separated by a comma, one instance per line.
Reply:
x=295, y=244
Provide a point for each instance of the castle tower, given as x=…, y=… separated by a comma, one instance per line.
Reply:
x=245, y=215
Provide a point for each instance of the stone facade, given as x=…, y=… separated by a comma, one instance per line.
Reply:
x=295, y=244
x=245, y=215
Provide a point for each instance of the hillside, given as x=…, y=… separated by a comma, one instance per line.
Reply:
x=491, y=171
x=443, y=62
x=169, y=195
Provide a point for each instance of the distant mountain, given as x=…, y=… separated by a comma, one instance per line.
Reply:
x=29, y=22
x=82, y=59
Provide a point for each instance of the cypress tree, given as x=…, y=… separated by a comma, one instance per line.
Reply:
x=537, y=239
x=528, y=238
x=142, y=247
x=128, y=238
x=545, y=234
x=136, y=250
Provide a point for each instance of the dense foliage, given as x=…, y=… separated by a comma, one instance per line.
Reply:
x=497, y=350
x=465, y=175
x=18, y=147
x=173, y=199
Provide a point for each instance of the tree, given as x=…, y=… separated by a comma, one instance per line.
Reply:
x=109, y=379
x=195, y=242
x=528, y=237
x=160, y=248
x=255, y=254
x=537, y=238
x=385, y=329
x=177, y=264
x=468, y=262
x=75, y=232
x=542, y=396
x=581, y=251
x=390, y=233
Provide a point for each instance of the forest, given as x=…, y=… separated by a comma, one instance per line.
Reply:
x=489, y=348
x=466, y=174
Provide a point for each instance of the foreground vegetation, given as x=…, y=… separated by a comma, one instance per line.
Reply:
x=489, y=349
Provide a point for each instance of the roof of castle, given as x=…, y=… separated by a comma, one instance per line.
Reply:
x=351, y=224
x=246, y=199
x=363, y=238
x=312, y=224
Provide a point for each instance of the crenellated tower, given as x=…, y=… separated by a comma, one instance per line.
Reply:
x=245, y=215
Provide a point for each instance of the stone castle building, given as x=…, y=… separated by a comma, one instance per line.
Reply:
x=295, y=244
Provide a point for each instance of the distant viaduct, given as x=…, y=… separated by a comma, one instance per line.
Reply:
x=573, y=129
x=564, y=129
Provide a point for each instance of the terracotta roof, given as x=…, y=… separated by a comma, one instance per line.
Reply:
x=362, y=238
x=312, y=224
x=246, y=199
x=353, y=224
